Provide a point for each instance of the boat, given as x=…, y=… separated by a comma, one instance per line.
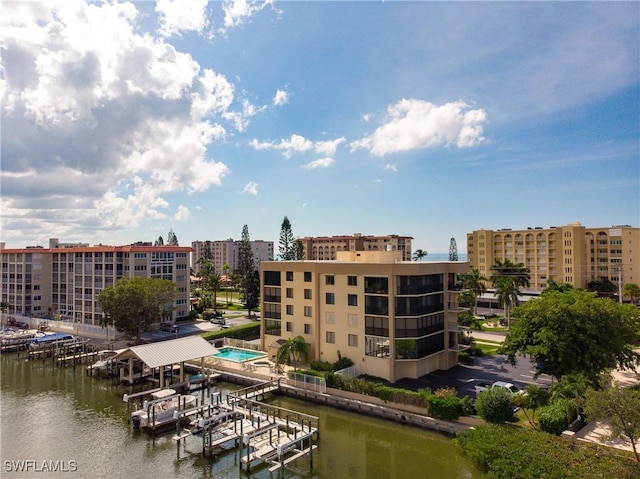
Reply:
x=160, y=409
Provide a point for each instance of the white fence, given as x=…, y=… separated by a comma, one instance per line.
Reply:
x=307, y=381
x=351, y=371
x=78, y=329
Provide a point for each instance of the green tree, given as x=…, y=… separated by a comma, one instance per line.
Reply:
x=507, y=293
x=561, y=287
x=172, y=239
x=474, y=281
x=159, y=241
x=251, y=294
x=603, y=287
x=631, y=291
x=295, y=350
x=620, y=407
x=247, y=270
x=419, y=254
x=574, y=332
x=533, y=398
x=507, y=268
x=571, y=390
x=453, y=250
x=495, y=405
x=211, y=281
x=133, y=304
x=287, y=242
x=299, y=249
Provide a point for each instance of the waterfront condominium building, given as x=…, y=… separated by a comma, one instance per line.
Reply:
x=226, y=252
x=65, y=279
x=327, y=247
x=570, y=254
x=393, y=318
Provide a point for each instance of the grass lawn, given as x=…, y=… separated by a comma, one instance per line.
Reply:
x=488, y=348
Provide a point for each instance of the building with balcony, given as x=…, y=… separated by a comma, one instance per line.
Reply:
x=323, y=248
x=226, y=252
x=570, y=254
x=64, y=280
x=395, y=319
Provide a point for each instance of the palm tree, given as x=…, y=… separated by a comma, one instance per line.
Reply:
x=475, y=283
x=295, y=349
x=507, y=293
x=510, y=269
x=419, y=254
x=211, y=281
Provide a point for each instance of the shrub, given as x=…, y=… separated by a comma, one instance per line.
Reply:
x=321, y=365
x=447, y=406
x=495, y=405
x=508, y=452
x=247, y=332
x=553, y=417
x=464, y=358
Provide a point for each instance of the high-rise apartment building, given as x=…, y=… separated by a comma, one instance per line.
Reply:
x=226, y=252
x=570, y=254
x=321, y=248
x=393, y=318
x=65, y=279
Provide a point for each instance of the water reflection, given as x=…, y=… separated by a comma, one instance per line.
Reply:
x=61, y=414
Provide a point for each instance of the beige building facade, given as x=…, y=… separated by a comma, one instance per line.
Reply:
x=394, y=319
x=323, y=248
x=226, y=252
x=570, y=254
x=64, y=280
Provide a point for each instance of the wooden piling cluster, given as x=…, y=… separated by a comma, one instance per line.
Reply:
x=68, y=352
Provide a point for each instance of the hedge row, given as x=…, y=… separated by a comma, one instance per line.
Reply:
x=507, y=452
x=247, y=332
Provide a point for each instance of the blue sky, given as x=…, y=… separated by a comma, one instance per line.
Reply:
x=121, y=121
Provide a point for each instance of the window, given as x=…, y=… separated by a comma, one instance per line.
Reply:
x=352, y=300
x=307, y=328
x=331, y=298
x=289, y=326
x=352, y=320
x=307, y=276
x=289, y=310
x=352, y=340
x=289, y=275
x=331, y=337
x=272, y=278
x=330, y=318
x=352, y=280
x=289, y=292
x=329, y=279
x=307, y=311
x=307, y=294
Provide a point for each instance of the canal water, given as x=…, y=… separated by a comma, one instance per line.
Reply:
x=59, y=422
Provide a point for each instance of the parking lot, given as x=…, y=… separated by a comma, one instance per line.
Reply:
x=464, y=377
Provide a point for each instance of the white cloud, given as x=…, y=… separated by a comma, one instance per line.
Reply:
x=121, y=119
x=329, y=147
x=239, y=12
x=177, y=16
x=390, y=167
x=298, y=144
x=183, y=213
x=281, y=98
x=416, y=124
x=251, y=188
x=320, y=163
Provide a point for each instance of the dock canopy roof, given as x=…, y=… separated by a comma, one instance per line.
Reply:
x=169, y=352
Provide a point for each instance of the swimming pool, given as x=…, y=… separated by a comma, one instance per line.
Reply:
x=238, y=355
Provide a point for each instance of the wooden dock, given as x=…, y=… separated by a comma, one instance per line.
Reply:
x=264, y=434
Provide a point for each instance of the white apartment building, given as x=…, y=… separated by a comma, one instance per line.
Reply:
x=225, y=252
x=65, y=279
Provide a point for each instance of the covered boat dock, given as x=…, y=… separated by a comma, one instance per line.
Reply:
x=164, y=358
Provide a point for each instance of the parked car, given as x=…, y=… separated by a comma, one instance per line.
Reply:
x=219, y=320
x=169, y=328
x=511, y=388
